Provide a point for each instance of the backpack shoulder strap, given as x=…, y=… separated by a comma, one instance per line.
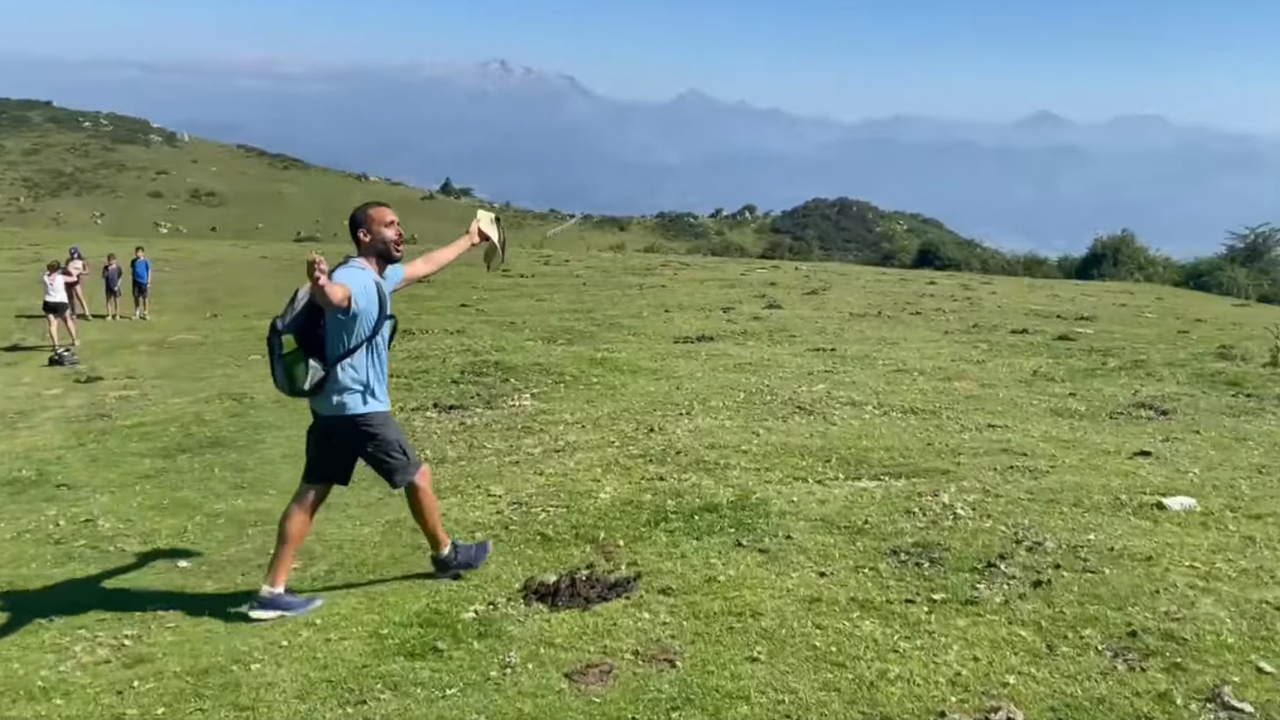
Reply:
x=377, y=328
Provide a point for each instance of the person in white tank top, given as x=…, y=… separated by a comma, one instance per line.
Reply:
x=56, y=303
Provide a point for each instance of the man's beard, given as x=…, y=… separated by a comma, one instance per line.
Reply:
x=387, y=254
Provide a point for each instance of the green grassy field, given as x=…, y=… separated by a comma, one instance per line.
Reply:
x=850, y=492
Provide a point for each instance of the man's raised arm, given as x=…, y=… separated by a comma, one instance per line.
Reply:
x=331, y=295
x=436, y=260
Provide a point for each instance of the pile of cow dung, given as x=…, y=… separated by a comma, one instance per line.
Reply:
x=578, y=589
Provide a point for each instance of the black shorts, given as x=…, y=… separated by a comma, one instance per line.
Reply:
x=335, y=442
x=113, y=292
x=56, y=309
x=140, y=289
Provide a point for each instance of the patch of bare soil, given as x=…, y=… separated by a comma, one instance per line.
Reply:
x=667, y=657
x=592, y=677
x=578, y=589
x=1124, y=658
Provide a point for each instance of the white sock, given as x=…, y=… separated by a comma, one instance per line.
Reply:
x=268, y=590
x=445, y=550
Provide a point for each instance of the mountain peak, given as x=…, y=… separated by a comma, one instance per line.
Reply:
x=503, y=70
x=1043, y=120
x=499, y=73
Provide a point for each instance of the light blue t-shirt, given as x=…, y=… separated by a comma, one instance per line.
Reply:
x=359, y=384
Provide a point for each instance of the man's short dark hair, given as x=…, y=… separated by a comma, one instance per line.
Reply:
x=359, y=218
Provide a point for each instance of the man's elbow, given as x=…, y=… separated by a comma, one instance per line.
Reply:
x=341, y=298
x=331, y=295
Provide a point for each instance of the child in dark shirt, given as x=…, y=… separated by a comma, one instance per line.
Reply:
x=111, y=275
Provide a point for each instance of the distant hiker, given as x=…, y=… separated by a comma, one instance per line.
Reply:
x=76, y=269
x=112, y=273
x=140, y=266
x=56, y=304
x=351, y=416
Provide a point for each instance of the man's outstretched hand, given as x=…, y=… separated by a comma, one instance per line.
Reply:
x=474, y=235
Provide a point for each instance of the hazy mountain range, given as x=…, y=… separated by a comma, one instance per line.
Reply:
x=543, y=140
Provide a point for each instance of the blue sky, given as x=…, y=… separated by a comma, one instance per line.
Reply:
x=1202, y=61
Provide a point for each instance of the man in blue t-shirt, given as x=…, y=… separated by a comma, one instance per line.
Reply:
x=351, y=417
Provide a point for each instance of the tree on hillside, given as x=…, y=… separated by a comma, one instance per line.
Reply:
x=780, y=247
x=717, y=214
x=447, y=188
x=1034, y=265
x=681, y=226
x=1248, y=267
x=1068, y=265
x=895, y=246
x=1122, y=256
x=1255, y=248
x=1220, y=277
x=746, y=212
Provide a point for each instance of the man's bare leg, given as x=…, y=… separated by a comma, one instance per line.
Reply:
x=295, y=524
x=426, y=510
x=274, y=600
x=448, y=558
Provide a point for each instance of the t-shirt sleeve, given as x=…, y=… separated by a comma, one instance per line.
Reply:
x=392, y=277
x=360, y=282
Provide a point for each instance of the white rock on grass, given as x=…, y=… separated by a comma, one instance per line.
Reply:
x=1180, y=503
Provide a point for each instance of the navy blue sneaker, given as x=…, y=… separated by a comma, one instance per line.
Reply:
x=286, y=604
x=462, y=556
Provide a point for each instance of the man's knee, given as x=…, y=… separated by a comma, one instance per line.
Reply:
x=421, y=478
x=309, y=497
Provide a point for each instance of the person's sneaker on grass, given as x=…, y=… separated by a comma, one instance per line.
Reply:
x=461, y=556
x=271, y=605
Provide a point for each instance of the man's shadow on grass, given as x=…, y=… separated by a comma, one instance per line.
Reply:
x=81, y=595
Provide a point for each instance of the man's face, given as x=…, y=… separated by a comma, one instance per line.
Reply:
x=386, y=239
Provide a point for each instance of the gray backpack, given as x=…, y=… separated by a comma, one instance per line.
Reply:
x=295, y=343
x=63, y=357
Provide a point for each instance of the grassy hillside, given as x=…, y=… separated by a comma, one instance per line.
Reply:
x=849, y=491
x=103, y=174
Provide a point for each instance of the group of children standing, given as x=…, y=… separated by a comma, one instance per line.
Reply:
x=63, y=290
